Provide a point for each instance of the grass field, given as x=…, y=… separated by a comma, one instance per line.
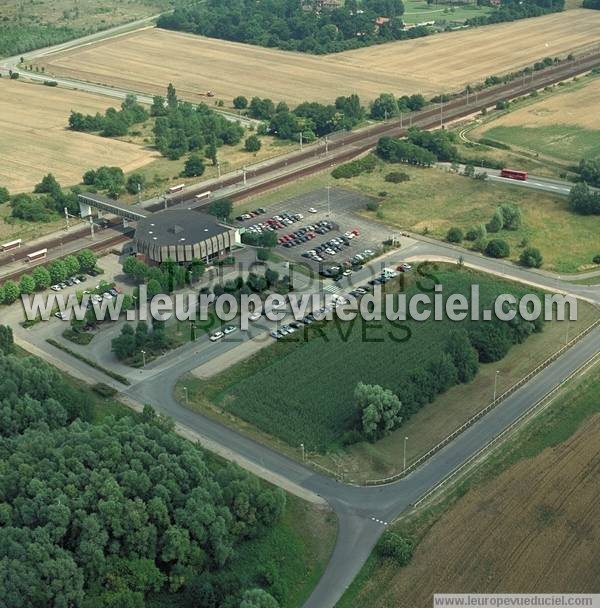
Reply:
x=148, y=60
x=35, y=140
x=418, y=11
x=434, y=200
x=565, y=125
x=527, y=523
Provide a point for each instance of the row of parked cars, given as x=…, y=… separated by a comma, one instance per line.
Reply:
x=344, y=269
x=250, y=214
x=75, y=280
x=277, y=222
x=307, y=233
x=331, y=247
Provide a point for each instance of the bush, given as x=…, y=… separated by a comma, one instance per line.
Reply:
x=531, y=257
x=497, y=248
x=596, y=259
x=104, y=390
x=396, y=177
x=372, y=206
x=455, y=235
x=395, y=547
x=355, y=167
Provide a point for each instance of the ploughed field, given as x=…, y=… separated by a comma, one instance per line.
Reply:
x=148, y=60
x=35, y=139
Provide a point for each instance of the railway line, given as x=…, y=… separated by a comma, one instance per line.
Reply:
x=339, y=148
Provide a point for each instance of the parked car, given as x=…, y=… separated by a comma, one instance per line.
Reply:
x=229, y=329
x=216, y=336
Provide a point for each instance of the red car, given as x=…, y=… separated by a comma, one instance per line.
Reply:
x=355, y=232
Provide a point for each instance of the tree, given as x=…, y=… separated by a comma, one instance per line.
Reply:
x=172, y=101
x=72, y=265
x=384, y=107
x=252, y=144
x=395, y=547
x=497, y=248
x=240, y=102
x=136, y=182
x=491, y=340
x=512, y=218
x=87, y=260
x=7, y=344
x=531, y=257
x=582, y=200
x=26, y=284
x=42, y=278
x=379, y=408
x=154, y=288
x=258, y=598
x=589, y=171
x=497, y=222
x=262, y=255
x=11, y=292
x=463, y=355
x=194, y=166
x=48, y=185
x=4, y=195
x=221, y=208
x=158, y=106
x=455, y=235
x=58, y=271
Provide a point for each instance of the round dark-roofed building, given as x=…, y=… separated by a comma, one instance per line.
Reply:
x=183, y=235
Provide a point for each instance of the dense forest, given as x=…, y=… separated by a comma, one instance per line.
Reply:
x=294, y=25
x=315, y=26
x=118, y=513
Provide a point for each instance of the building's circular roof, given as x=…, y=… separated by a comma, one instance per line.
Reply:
x=177, y=227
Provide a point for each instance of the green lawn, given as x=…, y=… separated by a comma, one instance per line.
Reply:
x=563, y=141
x=302, y=391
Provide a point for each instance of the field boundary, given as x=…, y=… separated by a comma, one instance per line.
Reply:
x=471, y=421
x=532, y=410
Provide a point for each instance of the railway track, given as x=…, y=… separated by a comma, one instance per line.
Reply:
x=341, y=148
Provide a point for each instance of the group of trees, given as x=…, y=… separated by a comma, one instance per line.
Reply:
x=387, y=105
x=583, y=200
x=47, y=199
x=108, y=514
x=295, y=25
x=379, y=411
x=421, y=148
x=594, y=4
x=43, y=276
x=129, y=344
x=254, y=283
x=114, y=123
x=181, y=127
x=589, y=172
x=506, y=217
x=165, y=278
x=110, y=179
x=311, y=119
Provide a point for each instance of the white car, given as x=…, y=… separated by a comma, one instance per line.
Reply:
x=255, y=316
x=312, y=210
x=216, y=336
x=55, y=288
x=229, y=329
x=347, y=273
x=107, y=296
x=62, y=316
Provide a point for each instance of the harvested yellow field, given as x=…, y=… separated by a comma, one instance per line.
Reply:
x=35, y=139
x=580, y=108
x=148, y=60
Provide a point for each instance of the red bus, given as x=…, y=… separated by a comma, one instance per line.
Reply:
x=512, y=174
x=12, y=245
x=177, y=188
x=36, y=255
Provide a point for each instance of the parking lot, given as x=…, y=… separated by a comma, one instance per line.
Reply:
x=322, y=229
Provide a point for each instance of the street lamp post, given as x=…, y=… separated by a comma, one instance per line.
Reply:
x=404, y=465
x=328, y=201
x=143, y=358
x=303, y=452
x=185, y=390
x=496, y=383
